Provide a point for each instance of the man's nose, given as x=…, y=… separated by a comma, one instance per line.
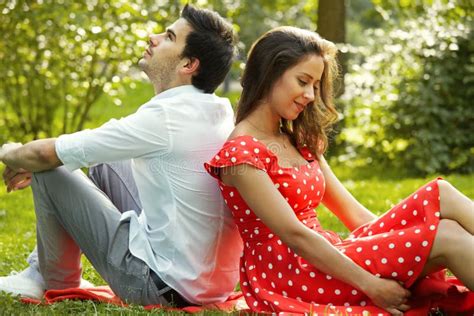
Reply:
x=154, y=39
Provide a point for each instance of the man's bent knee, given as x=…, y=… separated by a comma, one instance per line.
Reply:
x=56, y=178
x=48, y=175
x=56, y=172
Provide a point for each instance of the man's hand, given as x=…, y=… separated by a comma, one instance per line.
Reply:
x=389, y=295
x=16, y=180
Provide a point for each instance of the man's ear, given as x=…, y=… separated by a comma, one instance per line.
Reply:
x=190, y=66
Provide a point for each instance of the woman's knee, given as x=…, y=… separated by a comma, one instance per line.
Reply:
x=447, y=238
x=448, y=198
x=444, y=187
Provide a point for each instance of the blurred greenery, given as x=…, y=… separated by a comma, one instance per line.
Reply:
x=408, y=95
x=407, y=107
x=252, y=18
x=58, y=57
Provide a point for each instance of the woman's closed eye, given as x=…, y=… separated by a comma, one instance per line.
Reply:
x=302, y=82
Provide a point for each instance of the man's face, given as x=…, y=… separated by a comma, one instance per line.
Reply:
x=161, y=59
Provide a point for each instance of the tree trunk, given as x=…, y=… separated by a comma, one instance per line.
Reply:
x=332, y=26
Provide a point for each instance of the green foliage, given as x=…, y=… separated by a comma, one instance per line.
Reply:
x=252, y=18
x=361, y=15
x=408, y=98
x=58, y=57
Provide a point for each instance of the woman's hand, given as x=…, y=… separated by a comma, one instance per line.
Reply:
x=388, y=294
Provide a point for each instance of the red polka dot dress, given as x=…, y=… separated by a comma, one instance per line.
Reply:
x=275, y=279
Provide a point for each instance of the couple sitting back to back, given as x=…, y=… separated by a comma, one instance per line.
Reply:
x=153, y=223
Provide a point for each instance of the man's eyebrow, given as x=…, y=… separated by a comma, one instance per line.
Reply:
x=170, y=31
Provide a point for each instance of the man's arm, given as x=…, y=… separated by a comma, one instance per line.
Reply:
x=38, y=155
x=133, y=136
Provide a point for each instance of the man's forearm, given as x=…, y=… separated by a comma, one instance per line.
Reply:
x=38, y=155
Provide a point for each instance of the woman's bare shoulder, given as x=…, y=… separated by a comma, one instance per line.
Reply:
x=241, y=129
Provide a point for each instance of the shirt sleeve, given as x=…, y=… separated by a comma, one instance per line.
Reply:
x=136, y=135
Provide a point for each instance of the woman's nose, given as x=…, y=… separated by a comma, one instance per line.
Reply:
x=309, y=94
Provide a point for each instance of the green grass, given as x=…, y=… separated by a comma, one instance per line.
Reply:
x=379, y=194
x=17, y=219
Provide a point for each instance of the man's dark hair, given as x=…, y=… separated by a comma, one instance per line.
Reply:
x=211, y=41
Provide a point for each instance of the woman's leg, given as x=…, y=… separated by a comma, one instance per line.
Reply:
x=456, y=206
x=453, y=249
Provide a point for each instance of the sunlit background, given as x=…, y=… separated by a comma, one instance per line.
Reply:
x=405, y=97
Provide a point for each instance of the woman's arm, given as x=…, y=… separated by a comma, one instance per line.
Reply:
x=257, y=189
x=341, y=202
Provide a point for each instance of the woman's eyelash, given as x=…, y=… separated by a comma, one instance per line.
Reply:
x=302, y=82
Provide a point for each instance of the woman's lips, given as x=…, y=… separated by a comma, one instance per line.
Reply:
x=299, y=106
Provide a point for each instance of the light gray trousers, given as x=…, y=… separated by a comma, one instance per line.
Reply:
x=74, y=216
x=115, y=179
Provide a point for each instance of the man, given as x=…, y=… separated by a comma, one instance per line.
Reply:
x=183, y=248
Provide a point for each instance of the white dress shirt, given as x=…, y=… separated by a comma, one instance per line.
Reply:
x=185, y=233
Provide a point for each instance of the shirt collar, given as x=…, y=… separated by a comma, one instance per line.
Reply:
x=177, y=91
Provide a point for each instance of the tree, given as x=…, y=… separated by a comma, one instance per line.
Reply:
x=332, y=20
x=410, y=90
x=332, y=26
x=57, y=57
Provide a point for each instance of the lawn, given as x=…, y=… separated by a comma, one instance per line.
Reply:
x=17, y=219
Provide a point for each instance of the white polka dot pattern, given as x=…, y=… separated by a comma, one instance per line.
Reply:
x=275, y=279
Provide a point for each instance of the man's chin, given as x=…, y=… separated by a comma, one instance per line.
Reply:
x=142, y=64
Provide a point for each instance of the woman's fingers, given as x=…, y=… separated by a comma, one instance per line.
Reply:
x=403, y=307
x=394, y=311
x=407, y=293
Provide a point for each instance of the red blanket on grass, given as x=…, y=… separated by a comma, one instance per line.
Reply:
x=447, y=294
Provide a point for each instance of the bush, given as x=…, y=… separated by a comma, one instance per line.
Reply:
x=409, y=93
x=57, y=57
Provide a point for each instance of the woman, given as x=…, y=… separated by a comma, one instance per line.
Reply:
x=272, y=174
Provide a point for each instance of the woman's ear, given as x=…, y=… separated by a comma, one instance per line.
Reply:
x=190, y=66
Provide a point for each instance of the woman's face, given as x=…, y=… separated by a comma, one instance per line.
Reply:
x=297, y=87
